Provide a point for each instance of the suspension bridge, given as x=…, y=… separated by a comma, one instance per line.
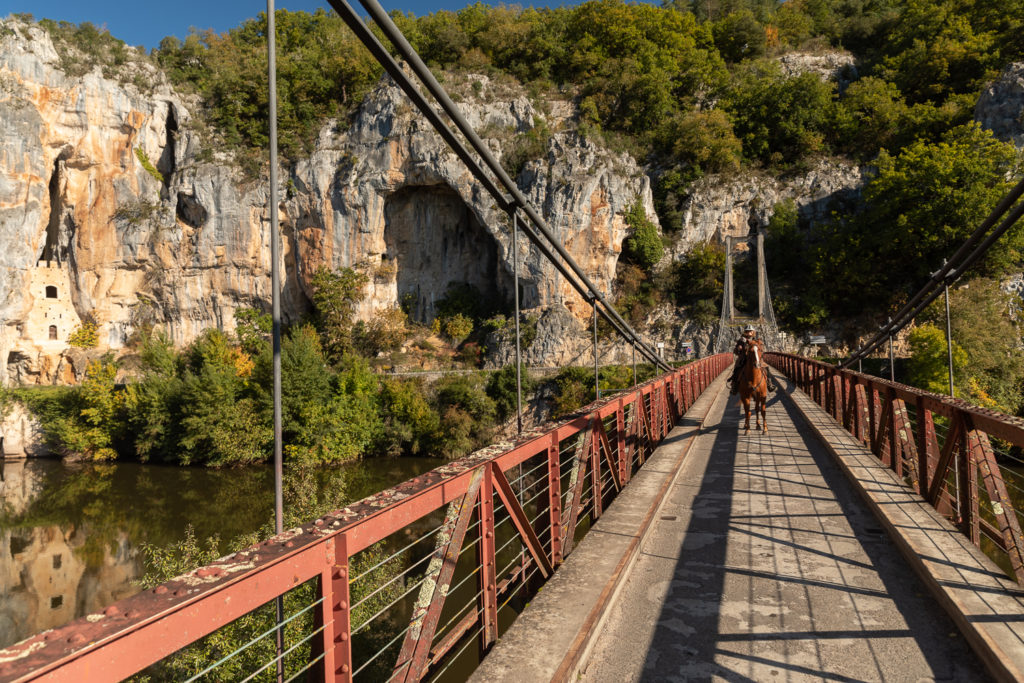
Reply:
x=872, y=533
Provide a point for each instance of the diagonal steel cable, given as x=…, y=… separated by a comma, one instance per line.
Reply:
x=550, y=246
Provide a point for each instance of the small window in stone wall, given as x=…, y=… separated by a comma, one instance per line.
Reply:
x=53, y=331
x=51, y=292
x=55, y=603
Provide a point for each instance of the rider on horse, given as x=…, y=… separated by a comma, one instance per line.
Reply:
x=740, y=351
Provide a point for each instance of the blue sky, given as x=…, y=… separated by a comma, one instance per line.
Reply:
x=143, y=22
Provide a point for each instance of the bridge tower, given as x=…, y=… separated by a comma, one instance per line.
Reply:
x=730, y=322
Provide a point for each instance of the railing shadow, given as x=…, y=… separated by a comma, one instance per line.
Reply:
x=767, y=583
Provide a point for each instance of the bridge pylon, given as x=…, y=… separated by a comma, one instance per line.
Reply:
x=730, y=323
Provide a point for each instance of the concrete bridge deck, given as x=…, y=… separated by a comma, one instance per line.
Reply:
x=760, y=562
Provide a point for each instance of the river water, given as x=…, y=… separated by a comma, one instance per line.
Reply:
x=70, y=533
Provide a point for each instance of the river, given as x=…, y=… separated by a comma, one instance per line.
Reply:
x=70, y=534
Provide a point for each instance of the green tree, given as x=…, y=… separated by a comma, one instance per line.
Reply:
x=993, y=372
x=347, y=425
x=467, y=415
x=574, y=388
x=919, y=208
x=253, y=328
x=789, y=252
x=878, y=117
x=220, y=421
x=457, y=327
x=643, y=245
x=501, y=387
x=700, y=274
x=306, y=380
x=410, y=422
x=934, y=51
x=781, y=120
x=739, y=36
x=928, y=366
x=85, y=336
x=154, y=401
x=93, y=420
x=335, y=297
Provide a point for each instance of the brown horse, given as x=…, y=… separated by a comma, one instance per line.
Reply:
x=753, y=383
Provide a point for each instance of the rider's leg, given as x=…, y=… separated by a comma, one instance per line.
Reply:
x=733, y=386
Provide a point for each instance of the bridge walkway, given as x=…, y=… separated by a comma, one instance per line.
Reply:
x=763, y=565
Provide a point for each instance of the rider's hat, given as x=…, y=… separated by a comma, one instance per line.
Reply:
x=749, y=328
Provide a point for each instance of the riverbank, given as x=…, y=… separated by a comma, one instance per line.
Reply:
x=71, y=534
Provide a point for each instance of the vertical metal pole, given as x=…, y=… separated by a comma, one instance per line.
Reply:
x=729, y=302
x=515, y=274
x=597, y=382
x=634, y=363
x=860, y=365
x=892, y=362
x=275, y=286
x=949, y=340
x=762, y=278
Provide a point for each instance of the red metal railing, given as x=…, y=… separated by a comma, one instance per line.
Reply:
x=939, y=445
x=534, y=495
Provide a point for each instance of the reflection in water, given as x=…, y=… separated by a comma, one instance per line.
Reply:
x=69, y=534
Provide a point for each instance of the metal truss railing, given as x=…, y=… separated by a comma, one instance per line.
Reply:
x=964, y=460
x=403, y=585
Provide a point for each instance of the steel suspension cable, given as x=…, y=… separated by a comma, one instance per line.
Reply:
x=426, y=77
x=969, y=252
x=566, y=265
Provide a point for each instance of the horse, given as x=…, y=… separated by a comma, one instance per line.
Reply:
x=753, y=383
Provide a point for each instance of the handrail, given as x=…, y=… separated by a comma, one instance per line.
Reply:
x=940, y=445
x=578, y=465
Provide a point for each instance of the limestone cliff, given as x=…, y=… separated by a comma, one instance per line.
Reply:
x=116, y=207
x=1001, y=106
x=739, y=206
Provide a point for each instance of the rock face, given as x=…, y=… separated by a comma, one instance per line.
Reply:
x=1000, y=108
x=838, y=66
x=20, y=436
x=739, y=206
x=109, y=195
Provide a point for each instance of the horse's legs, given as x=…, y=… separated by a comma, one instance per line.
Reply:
x=746, y=409
x=764, y=414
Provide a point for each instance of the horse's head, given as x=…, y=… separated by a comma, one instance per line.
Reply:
x=755, y=353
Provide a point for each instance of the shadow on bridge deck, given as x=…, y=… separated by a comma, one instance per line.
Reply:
x=764, y=565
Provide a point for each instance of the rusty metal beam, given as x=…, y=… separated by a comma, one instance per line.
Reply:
x=603, y=444
x=521, y=522
x=142, y=629
x=486, y=560
x=426, y=613
x=904, y=438
x=949, y=449
x=1002, y=506
x=577, y=480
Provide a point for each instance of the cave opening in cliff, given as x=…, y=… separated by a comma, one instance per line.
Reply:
x=438, y=246
x=190, y=211
x=55, y=248
x=166, y=162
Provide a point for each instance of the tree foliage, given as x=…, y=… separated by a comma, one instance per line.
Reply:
x=335, y=297
x=322, y=71
x=928, y=367
x=918, y=208
x=643, y=245
x=983, y=327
